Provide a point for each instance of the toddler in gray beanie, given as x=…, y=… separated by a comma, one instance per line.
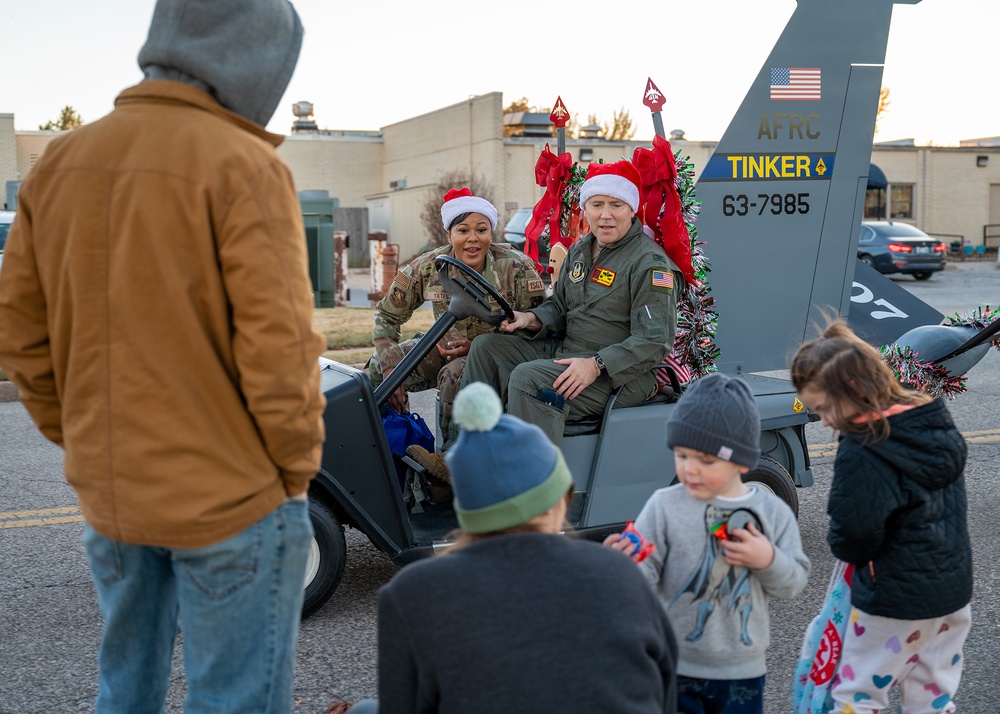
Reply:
x=717, y=415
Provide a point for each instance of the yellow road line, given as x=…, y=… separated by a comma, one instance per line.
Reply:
x=40, y=517
x=984, y=436
x=41, y=522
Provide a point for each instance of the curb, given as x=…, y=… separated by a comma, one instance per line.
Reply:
x=8, y=392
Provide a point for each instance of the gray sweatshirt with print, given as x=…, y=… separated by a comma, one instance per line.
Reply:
x=719, y=612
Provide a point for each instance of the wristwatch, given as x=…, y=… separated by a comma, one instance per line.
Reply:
x=600, y=362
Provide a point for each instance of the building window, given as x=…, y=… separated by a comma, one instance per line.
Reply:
x=875, y=204
x=586, y=154
x=901, y=200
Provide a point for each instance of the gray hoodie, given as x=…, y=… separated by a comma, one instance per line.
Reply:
x=242, y=52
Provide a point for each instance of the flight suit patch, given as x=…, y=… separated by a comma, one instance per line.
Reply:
x=602, y=276
x=397, y=297
x=576, y=274
x=663, y=279
x=535, y=285
x=402, y=280
x=434, y=295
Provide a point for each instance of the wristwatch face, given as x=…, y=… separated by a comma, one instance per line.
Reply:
x=600, y=363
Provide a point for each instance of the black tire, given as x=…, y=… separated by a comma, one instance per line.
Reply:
x=771, y=476
x=327, y=557
x=869, y=261
x=923, y=275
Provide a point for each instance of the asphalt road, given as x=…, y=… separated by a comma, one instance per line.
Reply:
x=50, y=626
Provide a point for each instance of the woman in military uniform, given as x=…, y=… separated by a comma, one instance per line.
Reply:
x=469, y=221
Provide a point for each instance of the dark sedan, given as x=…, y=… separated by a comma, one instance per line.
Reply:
x=892, y=247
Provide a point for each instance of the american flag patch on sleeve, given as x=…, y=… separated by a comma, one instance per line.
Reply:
x=663, y=279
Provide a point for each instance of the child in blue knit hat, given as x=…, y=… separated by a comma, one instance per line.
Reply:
x=518, y=617
x=722, y=548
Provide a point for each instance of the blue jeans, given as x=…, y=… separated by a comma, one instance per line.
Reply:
x=238, y=602
x=720, y=696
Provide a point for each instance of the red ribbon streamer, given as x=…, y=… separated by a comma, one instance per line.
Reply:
x=552, y=173
x=658, y=171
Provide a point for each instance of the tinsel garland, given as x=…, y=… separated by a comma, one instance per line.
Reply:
x=569, y=215
x=697, y=320
x=980, y=318
x=927, y=377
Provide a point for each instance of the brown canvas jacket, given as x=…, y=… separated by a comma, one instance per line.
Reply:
x=156, y=314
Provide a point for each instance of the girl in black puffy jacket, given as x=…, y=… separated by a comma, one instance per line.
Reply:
x=898, y=513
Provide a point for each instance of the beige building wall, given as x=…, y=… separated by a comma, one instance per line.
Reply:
x=30, y=147
x=8, y=155
x=347, y=164
x=951, y=195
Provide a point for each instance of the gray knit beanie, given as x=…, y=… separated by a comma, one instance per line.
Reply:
x=504, y=471
x=717, y=415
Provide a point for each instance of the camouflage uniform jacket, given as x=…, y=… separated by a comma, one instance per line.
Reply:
x=510, y=271
x=622, y=305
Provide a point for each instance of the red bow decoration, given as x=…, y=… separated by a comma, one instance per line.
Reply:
x=551, y=173
x=660, y=204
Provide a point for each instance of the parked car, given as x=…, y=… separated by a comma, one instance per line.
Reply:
x=892, y=247
x=6, y=218
x=513, y=233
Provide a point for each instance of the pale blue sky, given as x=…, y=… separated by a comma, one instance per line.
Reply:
x=940, y=64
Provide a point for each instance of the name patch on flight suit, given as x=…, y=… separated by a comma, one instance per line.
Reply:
x=602, y=276
x=433, y=295
x=576, y=274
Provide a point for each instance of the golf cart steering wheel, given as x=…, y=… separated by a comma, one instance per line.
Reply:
x=468, y=294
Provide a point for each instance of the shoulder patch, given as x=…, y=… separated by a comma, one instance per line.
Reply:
x=402, y=280
x=535, y=285
x=397, y=297
x=663, y=279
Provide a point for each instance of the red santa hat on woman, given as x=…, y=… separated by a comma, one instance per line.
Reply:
x=619, y=180
x=460, y=200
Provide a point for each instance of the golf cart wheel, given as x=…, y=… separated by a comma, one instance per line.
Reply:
x=327, y=556
x=923, y=275
x=771, y=476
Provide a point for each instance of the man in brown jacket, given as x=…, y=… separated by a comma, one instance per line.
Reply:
x=156, y=314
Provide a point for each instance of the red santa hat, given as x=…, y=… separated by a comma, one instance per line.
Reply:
x=460, y=200
x=619, y=180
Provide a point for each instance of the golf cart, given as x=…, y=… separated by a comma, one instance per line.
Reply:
x=617, y=460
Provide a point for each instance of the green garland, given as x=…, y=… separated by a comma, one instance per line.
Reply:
x=697, y=319
x=980, y=318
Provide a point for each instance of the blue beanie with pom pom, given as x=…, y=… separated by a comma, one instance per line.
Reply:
x=504, y=471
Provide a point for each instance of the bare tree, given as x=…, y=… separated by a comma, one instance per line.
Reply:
x=883, y=106
x=621, y=128
x=69, y=118
x=430, y=213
